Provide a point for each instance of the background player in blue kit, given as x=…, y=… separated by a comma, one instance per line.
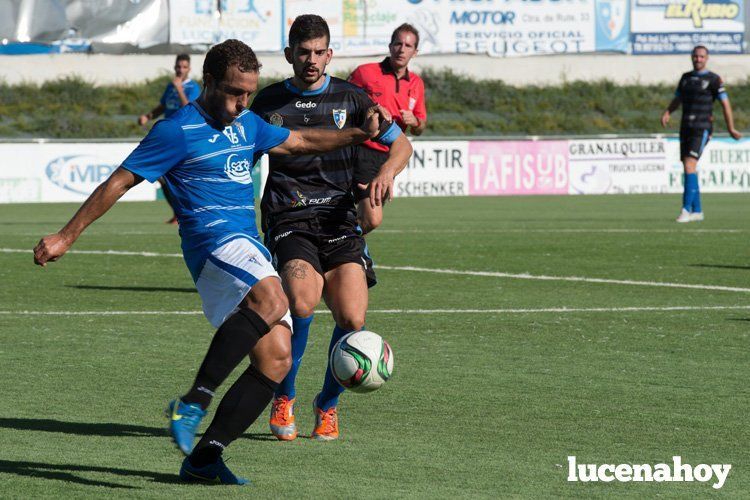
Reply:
x=697, y=91
x=205, y=151
x=180, y=91
x=309, y=212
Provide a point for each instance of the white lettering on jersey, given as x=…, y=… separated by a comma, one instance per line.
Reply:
x=213, y=139
x=238, y=170
x=229, y=133
x=305, y=105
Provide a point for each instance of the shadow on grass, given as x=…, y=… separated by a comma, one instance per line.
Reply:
x=722, y=266
x=738, y=319
x=102, y=429
x=81, y=428
x=134, y=288
x=66, y=472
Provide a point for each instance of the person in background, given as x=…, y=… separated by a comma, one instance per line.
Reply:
x=180, y=91
x=697, y=91
x=401, y=92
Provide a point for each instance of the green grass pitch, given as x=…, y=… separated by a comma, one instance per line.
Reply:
x=492, y=390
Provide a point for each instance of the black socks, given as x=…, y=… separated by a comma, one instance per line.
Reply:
x=233, y=341
x=239, y=408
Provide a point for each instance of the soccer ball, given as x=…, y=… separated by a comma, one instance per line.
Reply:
x=362, y=361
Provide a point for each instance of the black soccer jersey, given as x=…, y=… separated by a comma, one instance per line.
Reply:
x=311, y=186
x=698, y=90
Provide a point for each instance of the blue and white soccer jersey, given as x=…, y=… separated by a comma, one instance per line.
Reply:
x=207, y=168
x=170, y=99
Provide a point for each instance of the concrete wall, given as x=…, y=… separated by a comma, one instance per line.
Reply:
x=105, y=69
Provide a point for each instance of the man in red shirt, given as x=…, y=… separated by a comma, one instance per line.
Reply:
x=390, y=84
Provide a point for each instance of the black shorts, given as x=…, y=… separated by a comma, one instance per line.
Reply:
x=693, y=142
x=323, y=245
x=367, y=167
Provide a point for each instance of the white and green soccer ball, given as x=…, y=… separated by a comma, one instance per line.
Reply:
x=362, y=361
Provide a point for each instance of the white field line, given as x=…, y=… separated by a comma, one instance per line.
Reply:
x=558, y=310
x=558, y=230
x=525, y=276
x=463, y=231
x=97, y=252
x=491, y=274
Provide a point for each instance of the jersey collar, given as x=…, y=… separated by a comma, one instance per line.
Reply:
x=291, y=88
x=213, y=123
x=387, y=69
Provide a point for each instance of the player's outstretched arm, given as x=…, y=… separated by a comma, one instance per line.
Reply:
x=154, y=113
x=668, y=112
x=729, y=119
x=313, y=141
x=53, y=246
x=381, y=187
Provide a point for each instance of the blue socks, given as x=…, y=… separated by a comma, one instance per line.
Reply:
x=329, y=396
x=691, y=196
x=300, y=331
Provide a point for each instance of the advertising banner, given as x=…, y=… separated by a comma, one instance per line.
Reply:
x=496, y=27
x=435, y=169
x=256, y=22
x=612, y=25
x=357, y=28
x=518, y=167
x=724, y=166
x=618, y=166
x=676, y=26
x=505, y=28
x=62, y=172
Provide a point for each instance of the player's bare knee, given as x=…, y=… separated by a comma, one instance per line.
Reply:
x=351, y=322
x=276, y=307
x=302, y=307
x=271, y=304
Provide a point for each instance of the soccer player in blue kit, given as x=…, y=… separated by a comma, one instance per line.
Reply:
x=205, y=152
x=697, y=91
x=178, y=93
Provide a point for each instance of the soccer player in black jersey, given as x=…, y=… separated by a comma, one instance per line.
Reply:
x=309, y=214
x=697, y=91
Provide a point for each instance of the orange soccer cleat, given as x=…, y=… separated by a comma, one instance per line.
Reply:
x=326, y=423
x=282, y=419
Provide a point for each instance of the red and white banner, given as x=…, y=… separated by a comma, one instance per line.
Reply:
x=518, y=167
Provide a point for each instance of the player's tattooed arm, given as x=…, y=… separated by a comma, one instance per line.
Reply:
x=53, y=246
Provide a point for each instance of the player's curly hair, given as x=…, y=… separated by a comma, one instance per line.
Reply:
x=307, y=27
x=229, y=53
x=409, y=29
